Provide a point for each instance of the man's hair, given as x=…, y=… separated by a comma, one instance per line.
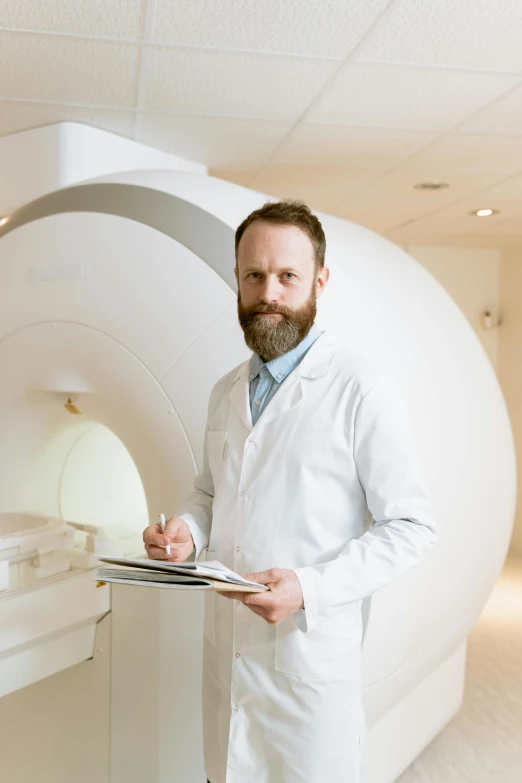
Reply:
x=289, y=213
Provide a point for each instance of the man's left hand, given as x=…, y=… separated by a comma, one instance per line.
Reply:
x=284, y=599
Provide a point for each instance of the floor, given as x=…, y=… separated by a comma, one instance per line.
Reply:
x=483, y=743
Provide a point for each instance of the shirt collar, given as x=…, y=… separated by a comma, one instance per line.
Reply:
x=282, y=366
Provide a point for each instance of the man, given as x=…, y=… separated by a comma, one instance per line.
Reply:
x=301, y=441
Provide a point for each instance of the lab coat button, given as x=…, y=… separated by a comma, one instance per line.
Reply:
x=242, y=494
x=238, y=549
x=237, y=603
x=236, y=707
x=251, y=440
x=238, y=655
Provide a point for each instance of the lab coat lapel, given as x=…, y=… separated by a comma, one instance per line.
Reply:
x=289, y=395
x=293, y=389
x=239, y=395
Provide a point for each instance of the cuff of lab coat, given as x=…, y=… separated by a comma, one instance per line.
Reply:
x=200, y=540
x=306, y=619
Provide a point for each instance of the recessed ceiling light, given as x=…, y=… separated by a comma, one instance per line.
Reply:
x=484, y=212
x=4, y=220
x=434, y=184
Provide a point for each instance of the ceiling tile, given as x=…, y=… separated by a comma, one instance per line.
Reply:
x=372, y=208
x=331, y=28
x=49, y=68
x=216, y=141
x=463, y=225
x=426, y=234
x=22, y=115
x=413, y=235
x=239, y=175
x=507, y=228
x=506, y=196
x=232, y=84
x=378, y=217
x=123, y=19
x=504, y=117
x=407, y=97
x=351, y=146
x=506, y=193
x=455, y=220
x=322, y=187
x=397, y=189
x=471, y=153
x=481, y=34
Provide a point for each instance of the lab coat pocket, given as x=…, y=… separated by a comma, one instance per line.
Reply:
x=323, y=653
x=217, y=451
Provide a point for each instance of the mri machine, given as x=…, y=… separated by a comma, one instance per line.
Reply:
x=117, y=315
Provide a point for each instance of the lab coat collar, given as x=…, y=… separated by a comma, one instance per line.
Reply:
x=314, y=365
x=317, y=361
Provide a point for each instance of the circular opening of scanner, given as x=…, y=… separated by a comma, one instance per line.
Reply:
x=75, y=492
x=100, y=484
x=107, y=470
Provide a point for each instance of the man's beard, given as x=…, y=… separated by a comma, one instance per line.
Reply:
x=273, y=337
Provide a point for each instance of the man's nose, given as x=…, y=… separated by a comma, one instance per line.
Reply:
x=271, y=291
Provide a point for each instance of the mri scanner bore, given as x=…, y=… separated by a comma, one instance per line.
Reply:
x=98, y=481
x=137, y=343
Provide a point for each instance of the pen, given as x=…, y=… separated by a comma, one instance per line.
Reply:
x=162, y=526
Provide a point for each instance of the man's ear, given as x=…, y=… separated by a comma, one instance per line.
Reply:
x=321, y=281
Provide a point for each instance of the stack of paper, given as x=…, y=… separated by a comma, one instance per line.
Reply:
x=160, y=573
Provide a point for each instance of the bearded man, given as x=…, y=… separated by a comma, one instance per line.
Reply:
x=304, y=442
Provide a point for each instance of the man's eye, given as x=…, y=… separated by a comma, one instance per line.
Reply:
x=288, y=275
x=254, y=275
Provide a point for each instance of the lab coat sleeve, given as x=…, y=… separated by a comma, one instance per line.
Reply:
x=403, y=527
x=197, y=509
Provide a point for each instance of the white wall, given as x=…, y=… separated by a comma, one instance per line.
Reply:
x=510, y=361
x=481, y=279
x=471, y=276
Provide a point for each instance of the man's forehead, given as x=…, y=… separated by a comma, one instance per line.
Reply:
x=264, y=238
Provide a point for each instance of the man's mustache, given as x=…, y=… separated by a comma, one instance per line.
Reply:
x=258, y=309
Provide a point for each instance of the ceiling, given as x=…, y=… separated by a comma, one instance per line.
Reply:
x=346, y=104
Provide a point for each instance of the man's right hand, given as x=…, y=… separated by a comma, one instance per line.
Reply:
x=177, y=534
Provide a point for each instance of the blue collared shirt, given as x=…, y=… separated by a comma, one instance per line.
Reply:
x=266, y=378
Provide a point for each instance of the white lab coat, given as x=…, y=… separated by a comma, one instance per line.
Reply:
x=282, y=704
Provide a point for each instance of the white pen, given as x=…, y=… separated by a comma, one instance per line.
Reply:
x=162, y=526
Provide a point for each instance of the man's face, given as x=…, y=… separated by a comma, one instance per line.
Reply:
x=278, y=287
